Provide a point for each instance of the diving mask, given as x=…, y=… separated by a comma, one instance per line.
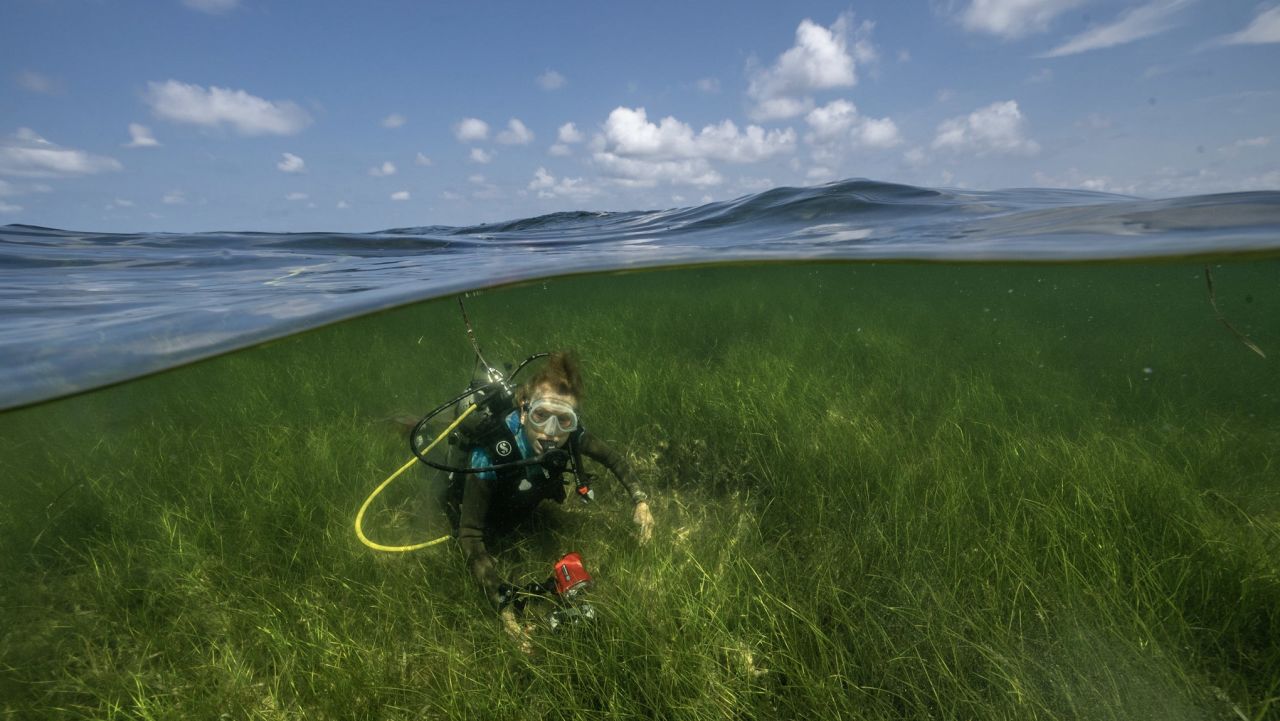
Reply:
x=551, y=416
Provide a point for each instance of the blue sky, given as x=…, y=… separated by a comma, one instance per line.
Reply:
x=284, y=115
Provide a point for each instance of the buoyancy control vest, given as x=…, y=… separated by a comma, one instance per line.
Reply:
x=504, y=443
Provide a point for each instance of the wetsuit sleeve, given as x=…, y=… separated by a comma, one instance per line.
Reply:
x=602, y=453
x=476, y=493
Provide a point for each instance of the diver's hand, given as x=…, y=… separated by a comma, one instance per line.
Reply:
x=519, y=634
x=644, y=519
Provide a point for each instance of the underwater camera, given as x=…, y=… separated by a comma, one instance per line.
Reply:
x=566, y=590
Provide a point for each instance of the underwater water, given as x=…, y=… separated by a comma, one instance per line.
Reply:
x=981, y=488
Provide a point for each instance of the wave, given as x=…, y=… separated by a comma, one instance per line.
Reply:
x=83, y=309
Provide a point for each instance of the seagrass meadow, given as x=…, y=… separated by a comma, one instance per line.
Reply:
x=882, y=491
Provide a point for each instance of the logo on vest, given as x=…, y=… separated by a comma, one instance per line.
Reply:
x=503, y=448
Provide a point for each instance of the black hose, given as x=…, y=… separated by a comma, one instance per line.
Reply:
x=504, y=384
x=550, y=456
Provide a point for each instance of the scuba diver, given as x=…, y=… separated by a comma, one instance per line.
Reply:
x=515, y=453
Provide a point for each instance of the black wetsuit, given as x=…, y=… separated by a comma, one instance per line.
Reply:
x=479, y=503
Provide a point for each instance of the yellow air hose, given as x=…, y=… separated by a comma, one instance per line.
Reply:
x=368, y=501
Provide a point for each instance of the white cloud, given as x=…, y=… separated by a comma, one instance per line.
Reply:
x=996, y=128
x=214, y=107
x=141, y=137
x=296, y=196
x=547, y=186
x=394, y=120
x=709, y=86
x=480, y=155
x=27, y=154
x=1264, y=29
x=821, y=59
x=832, y=120
x=471, y=129
x=122, y=203
x=213, y=7
x=838, y=123
x=637, y=152
x=781, y=108
x=878, y=133
x=9, y=207
x=37, y=82
x=755, y=185
x=628, y=133
x=381, y=171
x=1270, y=180
x=515, y=134
x=637, y=173
x=400, y=195
x=1137, y=23
x=174, y=197
x=1168, y=182
x=450, y=195
x=864, y=53
x=290, y=163
x=342, y=205
x=475, y=179
x=551, y=80
x=1245, y=144
x=1083, y=181
x=569, y=134
x=422, y=159
x=1012, y=19
x=819, y=172
x=916, y=157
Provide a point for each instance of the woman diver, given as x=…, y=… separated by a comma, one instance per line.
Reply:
x=526, y=450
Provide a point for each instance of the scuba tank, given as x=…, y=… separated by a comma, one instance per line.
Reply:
x=493, y=397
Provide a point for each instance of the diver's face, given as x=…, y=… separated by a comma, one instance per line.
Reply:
x=549, y=418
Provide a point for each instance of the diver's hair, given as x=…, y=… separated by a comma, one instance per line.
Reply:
x=561, y=373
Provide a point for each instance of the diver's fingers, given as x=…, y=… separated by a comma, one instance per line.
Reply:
x=517, y=633
x=510, y=624
x=644, y=519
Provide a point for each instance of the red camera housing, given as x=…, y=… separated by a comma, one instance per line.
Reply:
x=570, y=575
